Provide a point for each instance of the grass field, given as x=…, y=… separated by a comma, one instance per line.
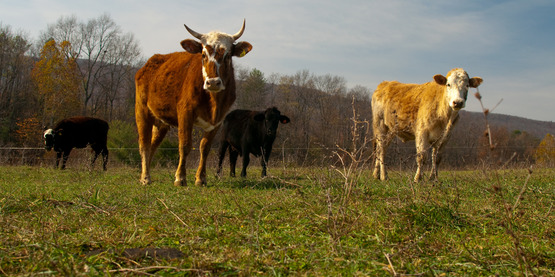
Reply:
x=301, y=221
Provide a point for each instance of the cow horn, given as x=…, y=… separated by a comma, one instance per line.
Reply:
x=193, y=33
x=240, y=33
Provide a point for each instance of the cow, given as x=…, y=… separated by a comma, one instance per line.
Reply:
x=78, y=132
x=425, y=113
x=247, y=132
x=183, y=89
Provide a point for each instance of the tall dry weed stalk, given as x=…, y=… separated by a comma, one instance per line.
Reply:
x=341, y=218
x=353, y=160
x=486, y=112
x=509, y=213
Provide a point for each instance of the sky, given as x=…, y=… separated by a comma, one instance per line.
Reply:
x=510, y=44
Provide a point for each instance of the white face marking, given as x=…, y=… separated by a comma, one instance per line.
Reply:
x=457, y=88
x=48, y=132
x=213, y=43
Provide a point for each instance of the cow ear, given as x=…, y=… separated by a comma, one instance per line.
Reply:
x=259, y=117
x=475, y=82
x=241, y=49
x=191, y=46
x=440, y=79
x=284, y=119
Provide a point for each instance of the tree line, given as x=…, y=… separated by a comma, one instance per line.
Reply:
x=88, y=68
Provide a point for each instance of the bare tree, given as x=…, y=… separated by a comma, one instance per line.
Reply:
x=116, y=80
x=100, y=47
x=16, y=99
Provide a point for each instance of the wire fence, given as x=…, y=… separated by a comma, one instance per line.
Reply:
x=400, y=156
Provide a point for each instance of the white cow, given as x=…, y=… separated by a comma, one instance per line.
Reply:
x=425, y=113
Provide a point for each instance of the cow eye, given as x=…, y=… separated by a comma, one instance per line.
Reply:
x=448, y=85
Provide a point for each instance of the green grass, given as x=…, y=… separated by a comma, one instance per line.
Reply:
x=300, y=222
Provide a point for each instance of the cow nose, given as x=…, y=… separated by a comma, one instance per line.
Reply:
x=213, y=84
x=458, y=104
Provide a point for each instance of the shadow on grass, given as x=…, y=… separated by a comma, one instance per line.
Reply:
x=138, y=254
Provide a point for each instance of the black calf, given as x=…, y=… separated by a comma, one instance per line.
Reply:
x=247, y=132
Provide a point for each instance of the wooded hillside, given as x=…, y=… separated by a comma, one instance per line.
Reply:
x=94, y=75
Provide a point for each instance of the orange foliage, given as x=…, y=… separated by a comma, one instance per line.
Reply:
x=57, y=78
x=545, y=153
x=29, y=132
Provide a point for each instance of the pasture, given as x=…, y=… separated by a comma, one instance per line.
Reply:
x=299, y=221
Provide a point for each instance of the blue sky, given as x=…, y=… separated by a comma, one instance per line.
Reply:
x=510, y=44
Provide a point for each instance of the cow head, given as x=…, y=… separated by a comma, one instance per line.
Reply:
x=271, y=119
x=217, y=49
x=456, y=85
x=48, y=139
x=52, y=139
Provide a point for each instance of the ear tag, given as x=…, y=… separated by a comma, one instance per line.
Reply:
x=243, y=54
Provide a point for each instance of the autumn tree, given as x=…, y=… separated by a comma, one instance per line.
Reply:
x=58, y=82
x=545, y=153
x=29, y=132
x=106, y=58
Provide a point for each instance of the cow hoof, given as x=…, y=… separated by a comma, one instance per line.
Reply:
x=145, y=181
x=180, y=183
x=200, y=183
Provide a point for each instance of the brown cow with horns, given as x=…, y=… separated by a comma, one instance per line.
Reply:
x=183, y=89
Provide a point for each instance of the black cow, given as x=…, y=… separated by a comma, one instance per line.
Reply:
x=247, y=132
x=78, y=132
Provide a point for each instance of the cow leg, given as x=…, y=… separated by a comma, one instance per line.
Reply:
x=438, y=146
x=205, y=145
x=233, y=154
x=159, y=131
x=221, y=156
x=105, y=158
x=144, y=128
x=422, y=146
x=64, y=158
x=378, y=158
x=184, y=130
x=246, y=160
x=264, y=159
x=58, y=157
x=382, y=142
x=104, y=151
x=96, y=153
x=436, y=158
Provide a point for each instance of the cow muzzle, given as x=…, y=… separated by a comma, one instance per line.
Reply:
x=214, y=84
x=458, y=104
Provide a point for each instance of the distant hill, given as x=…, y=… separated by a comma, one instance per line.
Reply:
x=534, y=127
